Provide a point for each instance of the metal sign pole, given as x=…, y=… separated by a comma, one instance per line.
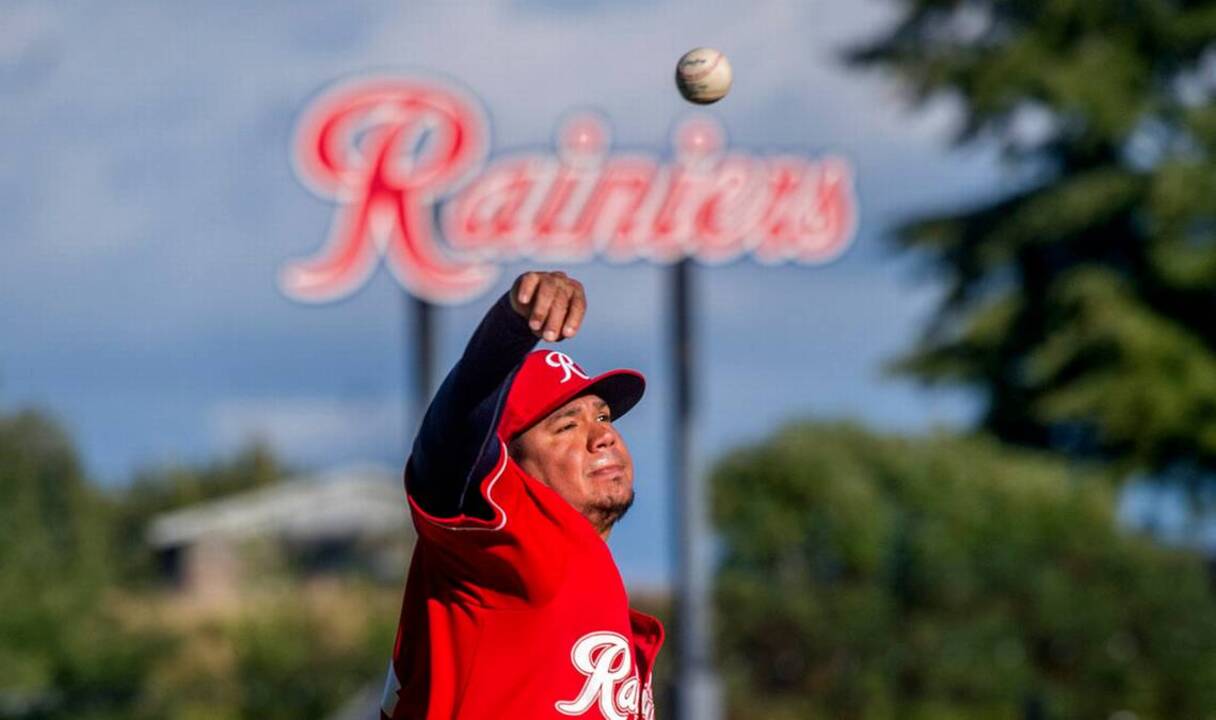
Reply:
x=423, y=321
x=698, y=695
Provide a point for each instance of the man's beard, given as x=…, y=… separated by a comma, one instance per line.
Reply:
x=605, y=513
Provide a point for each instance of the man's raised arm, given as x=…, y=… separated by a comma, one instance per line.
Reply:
x=456, y=445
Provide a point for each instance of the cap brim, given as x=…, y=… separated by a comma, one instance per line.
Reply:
x=621, y=389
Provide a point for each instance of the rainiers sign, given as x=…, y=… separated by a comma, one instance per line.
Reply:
x=405, y=161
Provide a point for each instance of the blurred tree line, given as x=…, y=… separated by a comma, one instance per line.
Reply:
x=58, y=646
x=945, y=578
x=86, y=634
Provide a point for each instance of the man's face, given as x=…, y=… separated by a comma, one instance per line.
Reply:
x=577, y=452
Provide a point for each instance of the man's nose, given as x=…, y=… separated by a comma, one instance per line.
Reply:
x=602, y=436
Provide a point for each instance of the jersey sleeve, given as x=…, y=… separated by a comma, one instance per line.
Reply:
x=514, y=556
x=457, y=443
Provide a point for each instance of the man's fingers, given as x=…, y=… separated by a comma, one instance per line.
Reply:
x=545, y=295
x=557, y=315
x=527, y=286
x=553, y=303
x=574, y=316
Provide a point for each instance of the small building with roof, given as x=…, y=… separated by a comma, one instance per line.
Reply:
x=347, y=519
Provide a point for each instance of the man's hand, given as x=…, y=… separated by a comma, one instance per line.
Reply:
x=553, y=303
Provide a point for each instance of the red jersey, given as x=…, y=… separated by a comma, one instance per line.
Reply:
x=519, y=617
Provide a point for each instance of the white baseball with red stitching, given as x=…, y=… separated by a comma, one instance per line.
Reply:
x=703, y=76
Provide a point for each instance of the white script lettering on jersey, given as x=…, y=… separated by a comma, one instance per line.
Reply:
x=606, y=660
x=561, y=360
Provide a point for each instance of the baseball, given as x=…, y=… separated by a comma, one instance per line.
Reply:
x=703, y=76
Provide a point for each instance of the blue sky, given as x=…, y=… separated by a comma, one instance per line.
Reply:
x=147, y=203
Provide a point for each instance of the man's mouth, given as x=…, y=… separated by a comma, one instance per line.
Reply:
x=607, y=470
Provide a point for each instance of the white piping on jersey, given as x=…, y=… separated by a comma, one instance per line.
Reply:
x=489, y=498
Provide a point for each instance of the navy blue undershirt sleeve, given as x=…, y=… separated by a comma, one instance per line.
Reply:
x=457, y=444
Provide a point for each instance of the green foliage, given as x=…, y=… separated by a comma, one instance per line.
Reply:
x=76, y=644
x=61, y=653
x=1079, y=305
x=50, y=523
x=868, y=577
x=295, y=654
x=281, y=651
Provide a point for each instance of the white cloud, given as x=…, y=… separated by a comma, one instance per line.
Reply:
x=308, y=429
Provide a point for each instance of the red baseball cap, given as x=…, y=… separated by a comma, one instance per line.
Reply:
x=549, y=379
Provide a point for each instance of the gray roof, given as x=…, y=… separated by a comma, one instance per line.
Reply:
x=354, y=500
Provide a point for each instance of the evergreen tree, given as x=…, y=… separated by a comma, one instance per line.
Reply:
x=1080, y=306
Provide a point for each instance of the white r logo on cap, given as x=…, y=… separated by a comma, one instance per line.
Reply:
x=561, y=360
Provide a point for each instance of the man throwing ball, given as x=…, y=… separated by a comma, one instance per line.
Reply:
x=514, y=608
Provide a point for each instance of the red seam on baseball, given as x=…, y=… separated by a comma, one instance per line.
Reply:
x=698, y=75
